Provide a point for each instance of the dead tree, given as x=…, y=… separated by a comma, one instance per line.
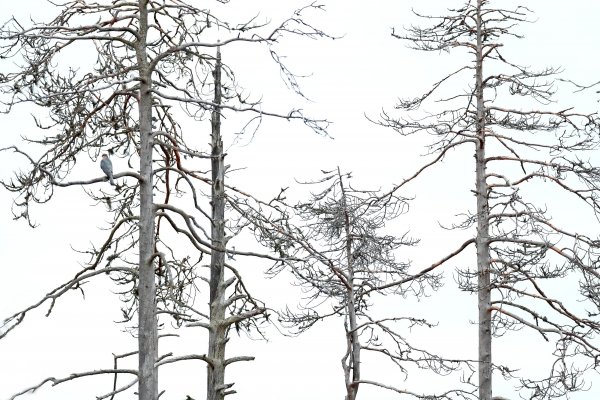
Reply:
x=506, y=112
x=150, y=56
x=344, y=263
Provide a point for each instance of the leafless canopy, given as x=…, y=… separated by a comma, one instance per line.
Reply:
x=524, y=145
x=344, y=263
x=118, y=77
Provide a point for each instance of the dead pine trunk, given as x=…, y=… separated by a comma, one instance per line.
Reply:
x=217, y=336
x=147, y=335
x=147, y=327
x=351, y=361
x=482, y=239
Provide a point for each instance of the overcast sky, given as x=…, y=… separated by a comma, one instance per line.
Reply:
x=358, y=74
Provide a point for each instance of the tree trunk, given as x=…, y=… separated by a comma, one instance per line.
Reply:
x=217, y=337
x=351, y=333
x=147, y=327
x=482, y=239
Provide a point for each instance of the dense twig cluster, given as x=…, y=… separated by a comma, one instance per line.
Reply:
x=343, y=263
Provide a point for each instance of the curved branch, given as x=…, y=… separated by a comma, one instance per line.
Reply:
x=58, y=381
x=424, y=271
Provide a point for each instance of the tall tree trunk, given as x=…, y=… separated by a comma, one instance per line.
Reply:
x=482, y=240
x=351, y=333
x=217, y=337
x=147, y=327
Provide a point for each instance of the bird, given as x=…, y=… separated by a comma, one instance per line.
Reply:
x=106, y=166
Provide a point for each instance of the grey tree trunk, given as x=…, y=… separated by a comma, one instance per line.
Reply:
x=351, y=333
x=482, y=239
x=147, y=327
x=217, y=335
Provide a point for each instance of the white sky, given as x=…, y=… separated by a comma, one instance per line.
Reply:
x=359, y=74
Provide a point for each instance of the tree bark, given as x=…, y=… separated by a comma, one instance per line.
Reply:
x=217, y=337
x=351, y=333
x=147, y=328
x=482, y=239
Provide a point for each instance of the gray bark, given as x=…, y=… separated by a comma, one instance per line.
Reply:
x=482, y=239
x=147, y=335
x=351, y=330
x=217, y=336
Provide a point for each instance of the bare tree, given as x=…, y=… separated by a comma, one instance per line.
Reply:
x=521, y=252
x=150, y=56
x=344, y=263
